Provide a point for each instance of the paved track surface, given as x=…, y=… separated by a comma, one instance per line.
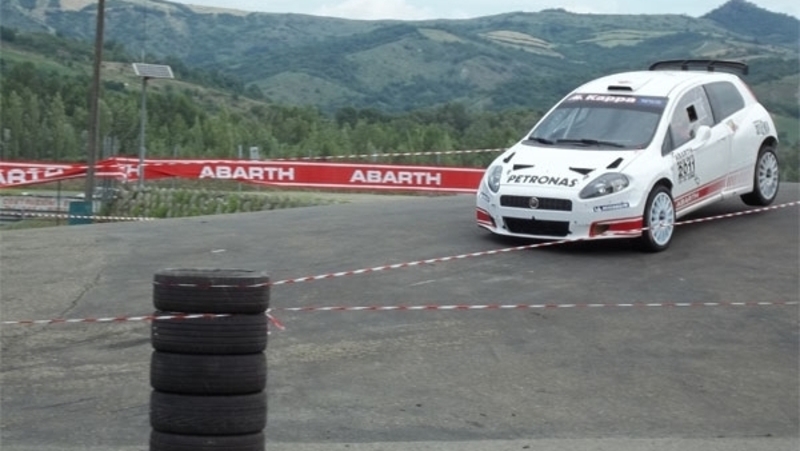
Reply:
x=617, y=378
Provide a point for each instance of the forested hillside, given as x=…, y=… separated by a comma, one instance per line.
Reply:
x=44, y=115
x=309, y=86
x=515, y=60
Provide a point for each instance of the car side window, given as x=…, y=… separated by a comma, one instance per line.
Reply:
x=725, y=99
x=691, y=112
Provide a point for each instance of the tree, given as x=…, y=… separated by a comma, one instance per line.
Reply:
x=61, y=139
x=30, y=145
x=11, y=114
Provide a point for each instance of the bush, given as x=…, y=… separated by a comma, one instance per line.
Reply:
x=176, y=203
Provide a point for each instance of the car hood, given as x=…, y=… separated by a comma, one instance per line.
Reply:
x=558, y=167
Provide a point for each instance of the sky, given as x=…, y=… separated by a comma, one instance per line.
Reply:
x=463, y=9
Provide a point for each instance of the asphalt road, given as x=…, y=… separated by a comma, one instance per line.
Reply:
x=602, y=378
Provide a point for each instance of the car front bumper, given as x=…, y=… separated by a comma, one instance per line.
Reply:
x=551, y=215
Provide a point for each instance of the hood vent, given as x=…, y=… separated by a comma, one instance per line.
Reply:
x=581, y=171
x=615, y=164
x=519, y=167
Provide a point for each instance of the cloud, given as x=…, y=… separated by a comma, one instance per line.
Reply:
x=375, y=10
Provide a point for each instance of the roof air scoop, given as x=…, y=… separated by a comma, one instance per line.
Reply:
x=618, y=88
x=629, y=83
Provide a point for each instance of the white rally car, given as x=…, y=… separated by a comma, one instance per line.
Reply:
x=625, y=155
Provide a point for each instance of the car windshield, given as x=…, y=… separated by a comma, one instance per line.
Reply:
x=602, y=122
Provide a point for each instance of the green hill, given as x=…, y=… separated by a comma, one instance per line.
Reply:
x=300, y=85
x=743, y=17
x=510, y=60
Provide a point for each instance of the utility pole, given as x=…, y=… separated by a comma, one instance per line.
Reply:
x=94, y=125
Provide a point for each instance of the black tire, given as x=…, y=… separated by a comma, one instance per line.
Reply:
x=766, y=178
x=160, y=441
x=211, y=291
x=208, y=415
x=658, y=220
x=237, y=334
x=208, y=374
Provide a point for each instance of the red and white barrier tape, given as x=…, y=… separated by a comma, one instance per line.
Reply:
x=128, y=319
x=392, y=155
x=456, y=307
x=440, y=307
x=693, y=221
x=481, y=253
x=115, y=319
x=209, y=286
x=69, y=216
x=275, y=321
x=740, y=213
x=510, y=249
x=413, y=308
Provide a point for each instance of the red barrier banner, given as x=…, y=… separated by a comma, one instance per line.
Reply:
x=20, y=174
x=26, y=173
x=274, y=173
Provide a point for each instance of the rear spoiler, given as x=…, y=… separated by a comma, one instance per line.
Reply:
x=707, y=65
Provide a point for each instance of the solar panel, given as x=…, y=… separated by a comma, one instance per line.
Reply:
x=152, y=70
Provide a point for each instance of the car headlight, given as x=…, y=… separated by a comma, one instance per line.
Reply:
x=604, y=185
x=493, y=178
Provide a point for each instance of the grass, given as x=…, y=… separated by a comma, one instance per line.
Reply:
x=616, y=38
x=185, y=198
x=36, y=223
x=522, y=41
x=439, y=35
x=17, y=55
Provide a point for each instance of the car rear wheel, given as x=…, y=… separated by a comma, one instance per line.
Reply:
x=659, y=220
x=766, y=178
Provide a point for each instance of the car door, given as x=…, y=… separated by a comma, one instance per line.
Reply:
x=728, y=106
x=699, y=150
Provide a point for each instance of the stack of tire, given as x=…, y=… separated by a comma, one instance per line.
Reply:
x=208, y=369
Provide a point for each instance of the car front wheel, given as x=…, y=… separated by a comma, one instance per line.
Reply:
x=765, y=179
x=659, y=220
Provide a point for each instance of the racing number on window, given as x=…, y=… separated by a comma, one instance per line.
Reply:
x=686, y=165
